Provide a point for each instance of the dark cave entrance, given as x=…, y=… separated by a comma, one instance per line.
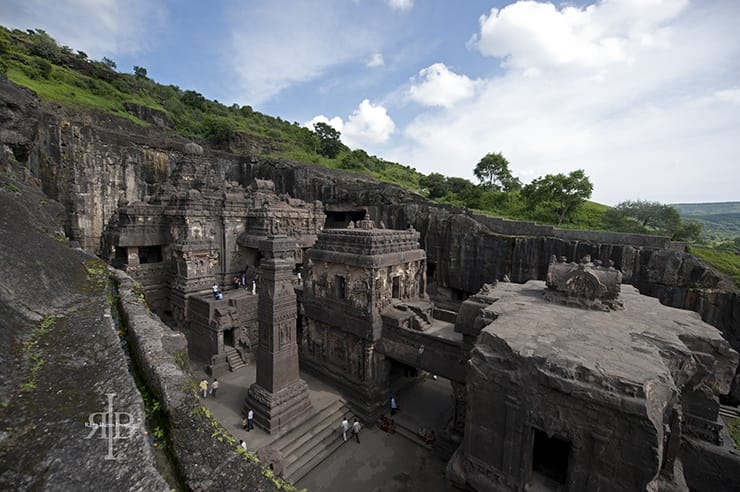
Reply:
x=550, y=457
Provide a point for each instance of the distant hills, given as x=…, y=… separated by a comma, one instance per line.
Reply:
x=720, y=221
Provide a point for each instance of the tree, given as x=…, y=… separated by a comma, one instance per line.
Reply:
x=329, y=143
x=140, y=72
x=44, y=46
x=435, y=184
x=560, y=193
x=109, y=63
x=493, y=172
x=647, y=217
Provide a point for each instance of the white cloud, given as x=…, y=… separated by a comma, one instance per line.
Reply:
x=274, y=47
x=98, y=27
x=439, y=86
x=368, y=124
x=659, y=121
x=529, y=34
x=335, y=122
x=376, y=60
x=401, y=4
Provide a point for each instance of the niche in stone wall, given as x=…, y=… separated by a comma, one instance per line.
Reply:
x=340, y=287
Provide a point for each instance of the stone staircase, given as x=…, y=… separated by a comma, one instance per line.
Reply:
x=233, y=358
x=306, y=446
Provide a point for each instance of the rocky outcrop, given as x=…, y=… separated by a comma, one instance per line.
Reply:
x=62, y=369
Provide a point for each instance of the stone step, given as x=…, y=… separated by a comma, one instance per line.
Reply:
x=309, y=443
x=233, y=358
x=409, y=429
x=287, y=443
x=322, y=450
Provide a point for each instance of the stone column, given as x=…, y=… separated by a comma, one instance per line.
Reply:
x=279, y=397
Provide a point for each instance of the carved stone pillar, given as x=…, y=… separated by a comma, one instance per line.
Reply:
x=458, y=416
x=279, y=396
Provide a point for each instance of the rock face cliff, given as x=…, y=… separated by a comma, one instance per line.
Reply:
x=61, y=363
x=92, y=163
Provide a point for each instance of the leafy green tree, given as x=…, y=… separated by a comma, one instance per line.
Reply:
x=108, y=63
x=329, y=143
x=459, y=185
x=559, y=193
x=193, y=99
x=357, y=159
x=44, y=46
x=651, y=218
x=140, y=72
x=435, y=184
x=493, y=172
x=219, y=130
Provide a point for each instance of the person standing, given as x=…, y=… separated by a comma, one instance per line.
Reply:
x=394, y=405
x=204, y=388
x=356, y=430
x=250, y=420
x=214, y=387
x=345, y=428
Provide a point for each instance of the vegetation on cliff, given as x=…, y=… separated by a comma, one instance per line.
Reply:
x=60, y=75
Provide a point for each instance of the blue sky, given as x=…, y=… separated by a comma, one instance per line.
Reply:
x=642, y=94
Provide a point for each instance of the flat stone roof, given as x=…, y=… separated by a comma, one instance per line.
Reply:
x=618, y=351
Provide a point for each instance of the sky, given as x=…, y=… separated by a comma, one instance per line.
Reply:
x=644, y=95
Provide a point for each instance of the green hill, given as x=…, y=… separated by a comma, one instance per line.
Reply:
x=720, y=221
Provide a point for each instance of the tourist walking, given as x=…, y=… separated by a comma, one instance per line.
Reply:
x=204, y=388
x=356, y=430
x=394, y=405
x=250, y=420
x=214, y=387
x=345, y=428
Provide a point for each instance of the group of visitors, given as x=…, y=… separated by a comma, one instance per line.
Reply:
x=204, y=388
x=355, y=429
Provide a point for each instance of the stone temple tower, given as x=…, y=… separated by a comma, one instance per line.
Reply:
x=279, y=397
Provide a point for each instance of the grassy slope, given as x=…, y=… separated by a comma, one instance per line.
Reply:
x=724, y=260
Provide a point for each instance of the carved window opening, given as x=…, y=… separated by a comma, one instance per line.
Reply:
x=150, y=254
x=549, y=458
x=396, y=288
x=340, y=287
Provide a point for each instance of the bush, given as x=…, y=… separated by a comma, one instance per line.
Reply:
x=43, y=66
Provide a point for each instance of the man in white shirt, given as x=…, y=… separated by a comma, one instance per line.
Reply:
x=250, y=420
x=345, y=428
x=356, y=430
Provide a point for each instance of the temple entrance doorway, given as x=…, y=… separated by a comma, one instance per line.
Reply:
x=549, y=460
x=229, y=337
